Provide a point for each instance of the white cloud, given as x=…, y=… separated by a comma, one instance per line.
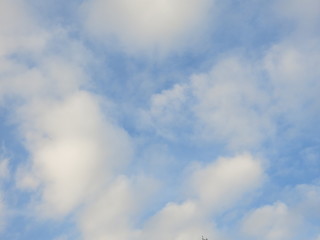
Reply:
x=173, y=97
x=271, y=222
x=18, y=31
x=112, y=213
x=214, y=188
x=108, y=217
x=25, y=179
x=166, y=110
x=36, y=62
x=179, y=222
x=304, y=14
x=295, y=216
x=305, y=199
x=311, y=156
x=242, y=102
x=294, y=74
x=53, y=77
x=227, y=104
x=38, y=87
x=224, y=181
x=144, y=24
x=18, y=34
x=231, y=105
x=74, y=149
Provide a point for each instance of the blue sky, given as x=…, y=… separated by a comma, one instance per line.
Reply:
x=162, y=119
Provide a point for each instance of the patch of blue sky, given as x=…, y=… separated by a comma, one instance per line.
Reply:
x=26, y=227
x=56, y=13
x=11, y=147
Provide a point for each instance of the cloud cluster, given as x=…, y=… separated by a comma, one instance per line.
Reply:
x=227, y=104
x=78, y=155
x=229, y=178
x=143, y=24
x=110, y=214
x=271, y=223
x=17, y=29
x=241, y=102
x=294, y=217
x=74, y=148
x=215, y=187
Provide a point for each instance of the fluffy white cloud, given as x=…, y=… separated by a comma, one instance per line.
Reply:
x=141, y=24
x=305, y=199
x=24, y=180
x=295, y=216
x=74, y=149
x=243, y=102
x=18, y=34
x=216, y=186
x=231, y=105
x=166, y=111
x=224, y=181
x=227, y=104
x=178, y=222
x=54, y=76
x=108, y=216
x=36, y=62
x=271, y=222
x=18, y=31
x=294, y=74
x=115, y=211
